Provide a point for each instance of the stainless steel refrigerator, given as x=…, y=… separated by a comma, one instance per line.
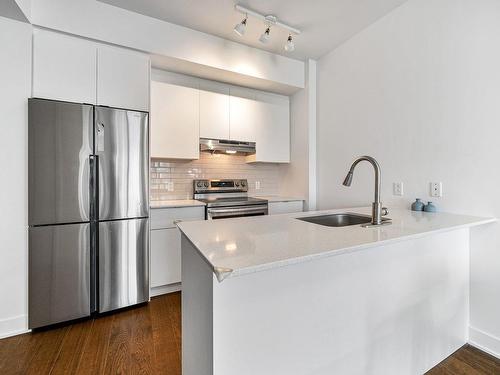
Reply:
x=88, y=210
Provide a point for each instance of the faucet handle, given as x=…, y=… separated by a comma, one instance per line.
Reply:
x=384, y=211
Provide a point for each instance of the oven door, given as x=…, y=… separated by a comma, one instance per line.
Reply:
x=238, y=211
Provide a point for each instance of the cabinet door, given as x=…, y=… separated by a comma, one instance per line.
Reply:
x=175, y=126
x=64, y=67
x=214, y=110
x=272, y=128
x=123, y=78
x=165, y=257
x=243, y=114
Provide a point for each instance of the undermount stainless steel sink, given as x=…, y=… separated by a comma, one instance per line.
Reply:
x=341, y=220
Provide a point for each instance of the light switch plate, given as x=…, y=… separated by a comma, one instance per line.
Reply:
x=397, y=188
x=170, y=186
x=436, y=189
x=257, y=185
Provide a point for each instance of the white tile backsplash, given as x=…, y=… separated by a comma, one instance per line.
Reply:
x=182, y=173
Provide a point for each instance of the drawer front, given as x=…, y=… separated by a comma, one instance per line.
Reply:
x=162, y=218
x=165, y=257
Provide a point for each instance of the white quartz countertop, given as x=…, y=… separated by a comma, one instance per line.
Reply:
x=279, y=198
x=244, y=245
x=175, y=203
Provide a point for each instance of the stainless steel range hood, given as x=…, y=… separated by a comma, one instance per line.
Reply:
x=226, y=146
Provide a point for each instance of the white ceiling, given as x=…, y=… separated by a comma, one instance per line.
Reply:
x=10, y=9
x=324, y=23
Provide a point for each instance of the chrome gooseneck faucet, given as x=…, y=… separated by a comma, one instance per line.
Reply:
x=377, y=210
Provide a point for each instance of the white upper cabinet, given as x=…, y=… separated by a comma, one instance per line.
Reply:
x=214, y=110
x=64, y=67
x=184, y=109
x=243, y=114
x=78, y=70
x=272, y=126
x=122, y=78
x=175, y=121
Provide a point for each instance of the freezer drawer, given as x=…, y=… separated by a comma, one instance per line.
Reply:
x=60, y=142
x=59, y=273
x=123, y=263
x=122, y=147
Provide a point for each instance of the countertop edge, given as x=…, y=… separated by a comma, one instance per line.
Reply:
x=277, y=198
x=348, y=250
x=181, y=203
x=223, y=273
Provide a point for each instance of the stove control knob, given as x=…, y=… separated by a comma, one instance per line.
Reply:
x=205, y=184
x=243, y=183
x=237, y=183
x=199, y=184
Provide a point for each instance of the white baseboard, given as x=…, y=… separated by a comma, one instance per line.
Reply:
x=165, y=289
x=13, y=326
x=484, y=341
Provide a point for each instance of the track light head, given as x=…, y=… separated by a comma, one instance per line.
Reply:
x=264, y=38
x=289, y=45
x=241, y=27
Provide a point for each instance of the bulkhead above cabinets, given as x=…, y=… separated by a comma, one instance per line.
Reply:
x=185, y=109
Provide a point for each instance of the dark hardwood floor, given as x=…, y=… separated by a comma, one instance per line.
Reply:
x=144, y=340
x=147, y=340
x=468, y=360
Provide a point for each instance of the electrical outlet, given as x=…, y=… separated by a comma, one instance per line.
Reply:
x=436, y=189
x=170, y=186
x=397, y=188
x=257, y=185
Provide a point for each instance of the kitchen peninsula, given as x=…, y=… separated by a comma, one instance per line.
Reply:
x=278, y=295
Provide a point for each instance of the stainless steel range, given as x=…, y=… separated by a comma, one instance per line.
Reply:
x=228, y=198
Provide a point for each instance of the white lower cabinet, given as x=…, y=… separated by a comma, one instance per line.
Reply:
x=285, y=207
x=165, y=274
x=165, y=257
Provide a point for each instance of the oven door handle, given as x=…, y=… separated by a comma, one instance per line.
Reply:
x=253, y=209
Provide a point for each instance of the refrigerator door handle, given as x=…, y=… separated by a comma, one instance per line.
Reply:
x=94, y=194
x=94, y=186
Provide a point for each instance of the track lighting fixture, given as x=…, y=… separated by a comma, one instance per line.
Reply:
x=289, y=45
x=241, y=27
x=264, y=38
x=269, y=21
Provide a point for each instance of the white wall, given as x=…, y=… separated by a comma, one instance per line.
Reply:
x=15, y=78
x=420, y=91
x=93, y=19
x=300, y=175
